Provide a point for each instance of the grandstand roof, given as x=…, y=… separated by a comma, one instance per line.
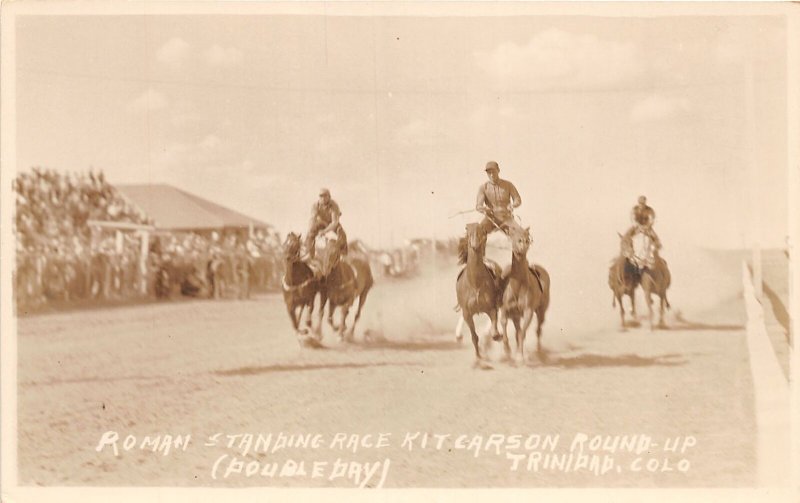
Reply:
x=174, y=209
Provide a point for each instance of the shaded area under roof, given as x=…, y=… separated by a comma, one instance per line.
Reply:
x=173, y=209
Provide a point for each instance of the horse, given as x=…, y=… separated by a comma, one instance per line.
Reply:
x=526, y=291
x=477, y=286
x=623, y=278
x=655, y=275
x=299, y=284
x=344, y=280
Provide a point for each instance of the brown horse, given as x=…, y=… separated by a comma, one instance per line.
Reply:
x=655, y=275
x=477, y=286
x=526, y=291
x=345, y=279
x=623, y=278
x=299, y=284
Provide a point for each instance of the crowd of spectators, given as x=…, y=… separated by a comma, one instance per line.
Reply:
x=61, y=258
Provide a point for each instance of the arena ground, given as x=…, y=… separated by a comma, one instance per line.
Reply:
x=235, y=367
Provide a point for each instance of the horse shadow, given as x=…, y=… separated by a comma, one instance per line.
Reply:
x=268, y=369
x=680, y=323
x=592, y=360
x=373, y=342
x=684, y=324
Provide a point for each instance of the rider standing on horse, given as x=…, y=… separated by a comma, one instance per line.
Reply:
x=325, y=215
x=497, y=199
x=643, y=217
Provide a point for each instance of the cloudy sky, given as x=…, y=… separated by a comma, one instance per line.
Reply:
x=398, y=115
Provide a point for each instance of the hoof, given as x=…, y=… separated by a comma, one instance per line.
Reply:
x=497, y=337
x=459, y=339
x=662, y=326
x=309, y=342
x=482, y=365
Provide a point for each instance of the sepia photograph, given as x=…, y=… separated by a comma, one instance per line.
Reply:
x=302, y=247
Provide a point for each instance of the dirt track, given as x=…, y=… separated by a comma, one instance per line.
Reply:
x=235, y=367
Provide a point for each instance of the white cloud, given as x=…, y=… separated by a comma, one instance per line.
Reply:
x=220, y=56
x=657, y=107
x=173, y=52
x=148, y=101
x=555, y=59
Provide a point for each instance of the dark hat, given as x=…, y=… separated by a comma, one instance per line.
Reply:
x=492, y=165
x=324, y=192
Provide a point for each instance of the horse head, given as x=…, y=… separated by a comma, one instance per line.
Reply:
x=331, y=254
x=520, y=241
x=476, y=238
x=291, y=246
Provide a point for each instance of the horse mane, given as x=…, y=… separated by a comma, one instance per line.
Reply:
x=462, y=250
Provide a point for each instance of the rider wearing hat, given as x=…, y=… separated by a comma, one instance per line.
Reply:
x=497, y=199
x=643, y=217
x=325, y=215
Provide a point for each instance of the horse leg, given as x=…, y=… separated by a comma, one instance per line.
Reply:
x=300, y=329
x=345, y=309
x=649, y=301
x=479, y=363
x=310, y=305
x=527, y=318
x=361, y=299
x=489, y=326
x=493, y=323
x=331, y=309
x=661, y=323
x=621, y=312
x=323, y=299
x=291, y=310
x=539, y=322
x=351, y=332
x=503, y=322
x=519, y=336
x=459, y=327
